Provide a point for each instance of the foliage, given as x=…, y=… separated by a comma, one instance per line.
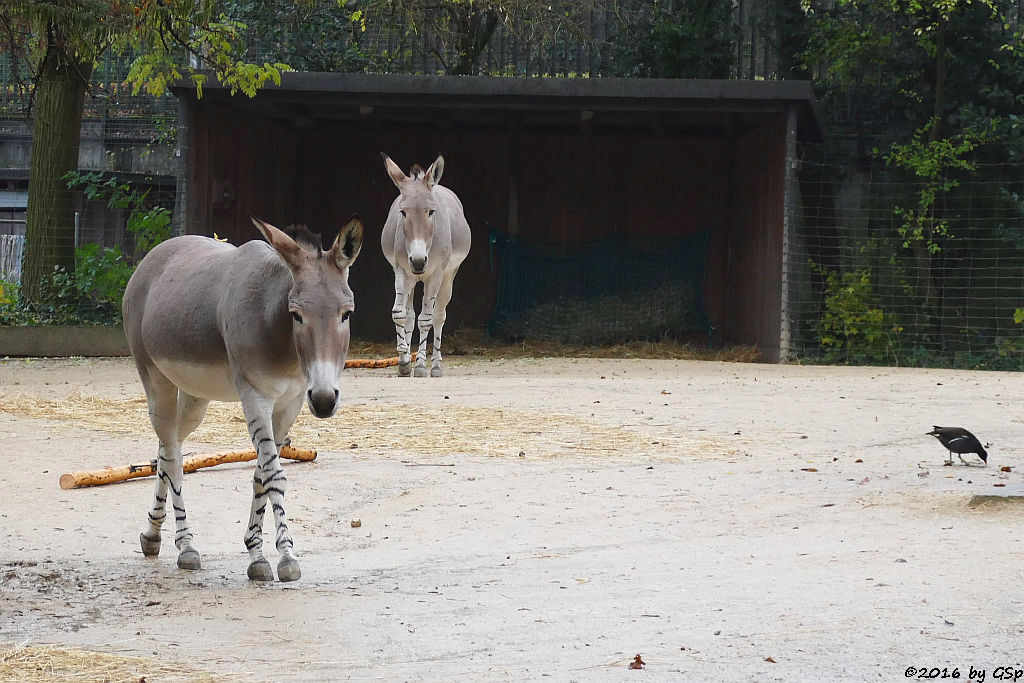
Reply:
x=91, y=295
x=932, y=162
x=854, y=328
x=310, y=35
x=92, y=292
x=901, y=58
x=458, y=31
x=149, y=224
x=679, y=39
x=171, y=39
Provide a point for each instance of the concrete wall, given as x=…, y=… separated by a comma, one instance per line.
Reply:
x=62, y=341
x=110, y=145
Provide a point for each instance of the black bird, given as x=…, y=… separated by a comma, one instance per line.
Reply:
x=958, y=440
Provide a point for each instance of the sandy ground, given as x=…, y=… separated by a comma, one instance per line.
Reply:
x=753, y=522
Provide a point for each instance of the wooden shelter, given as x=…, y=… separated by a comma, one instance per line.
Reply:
x=549, y=159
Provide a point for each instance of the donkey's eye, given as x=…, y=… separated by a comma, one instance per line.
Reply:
x=345, y=316
x=402, y=211
x=296, y=317
x=431, y=212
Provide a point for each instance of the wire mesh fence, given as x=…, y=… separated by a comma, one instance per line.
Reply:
x=878, y=280
x=566, y=39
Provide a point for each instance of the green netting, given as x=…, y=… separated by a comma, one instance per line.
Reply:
x=617, y=288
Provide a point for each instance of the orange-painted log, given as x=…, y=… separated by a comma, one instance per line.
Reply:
x=191, y=463
x=374, y=362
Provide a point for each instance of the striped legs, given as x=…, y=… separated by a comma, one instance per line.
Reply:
x=269, y=483
x=174, y=415
x=400, y=314
x=437, y=292
x=444, y=295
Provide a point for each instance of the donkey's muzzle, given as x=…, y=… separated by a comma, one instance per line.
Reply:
x=322, y=402
x=418, y=265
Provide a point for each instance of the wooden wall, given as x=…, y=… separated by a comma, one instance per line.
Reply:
x=571, y=186
x=238, y=166
x=755, y=264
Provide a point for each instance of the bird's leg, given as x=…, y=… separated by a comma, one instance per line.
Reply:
x=950, y=461
x=961, y=458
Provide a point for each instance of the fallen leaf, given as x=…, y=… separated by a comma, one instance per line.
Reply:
x=1005, y=468
x=999, y=484
x=637, y=663
x=808, y=469
x=151, y=603
x=769, y=659
x=858, y=460
x=665, y=392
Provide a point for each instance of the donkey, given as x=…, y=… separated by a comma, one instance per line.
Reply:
x=267, y=324
x=425, y=239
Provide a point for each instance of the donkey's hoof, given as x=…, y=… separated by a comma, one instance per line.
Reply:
x=436, y=371
x=404, y=370
x=288, y=569
x=150, y=546
x=189, y=559
x=260, y=571
x=420, y=371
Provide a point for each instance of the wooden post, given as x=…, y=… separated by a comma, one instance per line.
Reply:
x=791, y=195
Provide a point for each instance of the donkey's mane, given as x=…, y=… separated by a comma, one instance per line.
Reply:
x=305, y=238
x=417, y=172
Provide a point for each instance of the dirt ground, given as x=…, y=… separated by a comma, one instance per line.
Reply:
x=541, y=519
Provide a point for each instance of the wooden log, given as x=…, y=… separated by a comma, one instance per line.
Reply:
x=191, y=463
x=374, y=362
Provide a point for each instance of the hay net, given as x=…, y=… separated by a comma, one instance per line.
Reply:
x=614, y=289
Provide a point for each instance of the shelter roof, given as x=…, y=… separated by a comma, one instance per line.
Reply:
x=602, y=104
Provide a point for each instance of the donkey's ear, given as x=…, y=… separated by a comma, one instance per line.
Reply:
x=289, y=251
x=433, y=175
x=397, y=176
x=348, y=243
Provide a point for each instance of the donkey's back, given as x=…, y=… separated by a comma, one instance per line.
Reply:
x=187, y=297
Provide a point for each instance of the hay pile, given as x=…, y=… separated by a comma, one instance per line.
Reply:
x=46, y=664
x=671, y=309
x=477, y=343
x=414, y=430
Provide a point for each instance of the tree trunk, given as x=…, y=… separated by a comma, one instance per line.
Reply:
x=474, y=29
x=50, y=221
